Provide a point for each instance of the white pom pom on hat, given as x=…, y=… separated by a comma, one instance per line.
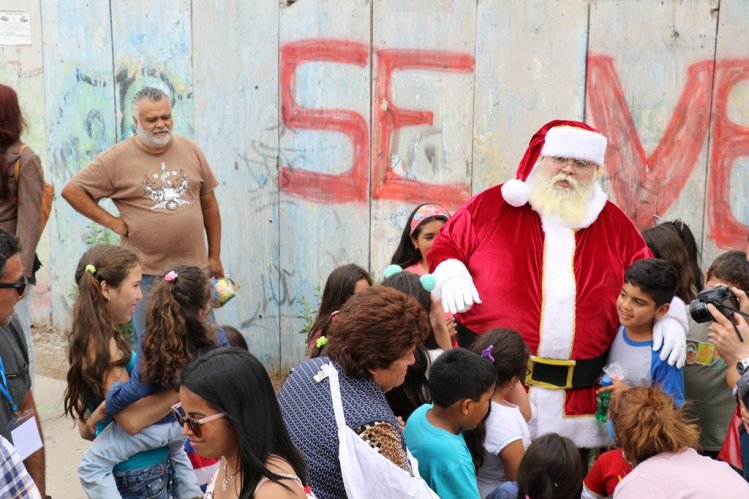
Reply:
x=515, y=192
x=568, y=139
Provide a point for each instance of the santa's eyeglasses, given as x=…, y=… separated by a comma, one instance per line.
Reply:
x=19, y=285
x=577, y=164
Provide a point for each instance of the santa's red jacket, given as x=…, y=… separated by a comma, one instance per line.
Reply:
x=554, y=284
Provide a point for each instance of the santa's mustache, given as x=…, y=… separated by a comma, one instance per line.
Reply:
x=573, y=182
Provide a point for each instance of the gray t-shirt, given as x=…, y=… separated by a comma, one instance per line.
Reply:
x=711, y=401
x=15, y=358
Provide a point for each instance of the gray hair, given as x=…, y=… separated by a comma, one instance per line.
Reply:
x=151, y=93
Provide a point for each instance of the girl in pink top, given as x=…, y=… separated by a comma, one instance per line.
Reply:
x=422, y=227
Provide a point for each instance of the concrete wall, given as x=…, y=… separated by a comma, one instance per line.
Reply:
x=326, y=121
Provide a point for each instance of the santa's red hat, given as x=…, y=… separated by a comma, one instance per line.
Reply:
x=567, y=139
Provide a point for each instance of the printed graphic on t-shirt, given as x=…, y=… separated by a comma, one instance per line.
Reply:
x=167, y=189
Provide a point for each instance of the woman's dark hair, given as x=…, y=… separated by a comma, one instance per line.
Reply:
x=509, y=351
x=409, y=283
x=233, y=381
x=406, y=253
x=375, y=328
x=338, y=288
x=510, y=359
x=685, y=234
x=234, y=337
x=665, y=243
x=175, y=331
x=414, y=392
x=93, y=328
x=11, y=126
x=550, y=469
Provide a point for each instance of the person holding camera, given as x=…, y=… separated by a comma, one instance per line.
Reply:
x=712, y=403
x=729, y=333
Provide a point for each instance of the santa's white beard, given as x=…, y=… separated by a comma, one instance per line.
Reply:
x=571, y=204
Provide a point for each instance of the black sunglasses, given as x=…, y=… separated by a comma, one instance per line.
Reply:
x=192, y=423
x=19, y=285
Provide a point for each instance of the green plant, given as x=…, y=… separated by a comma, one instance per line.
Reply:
x=96, y=234
x=308, y=312
x=128, y=332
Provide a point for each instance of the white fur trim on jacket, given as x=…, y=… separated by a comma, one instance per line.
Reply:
x=557, y=327
x=573, y=142
x=557, y=333
x=547, y=407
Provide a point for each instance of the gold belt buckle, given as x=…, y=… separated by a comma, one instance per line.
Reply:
x=533, y=360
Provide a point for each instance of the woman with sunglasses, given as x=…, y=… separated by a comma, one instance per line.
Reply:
x=228, y=409
x=20, y=200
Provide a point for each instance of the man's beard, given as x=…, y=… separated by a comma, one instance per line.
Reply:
x=150, y=139
x=571, y=204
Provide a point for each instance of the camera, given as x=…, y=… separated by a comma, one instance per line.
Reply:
x=720, y=296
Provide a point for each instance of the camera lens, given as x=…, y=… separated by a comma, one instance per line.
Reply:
x=699, y=312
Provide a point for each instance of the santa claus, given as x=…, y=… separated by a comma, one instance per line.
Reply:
x=545, y=254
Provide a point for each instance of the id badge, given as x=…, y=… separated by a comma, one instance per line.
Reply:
x=25, y=434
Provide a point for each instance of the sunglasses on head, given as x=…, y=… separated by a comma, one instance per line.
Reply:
x=193, y=424
x=19, y=285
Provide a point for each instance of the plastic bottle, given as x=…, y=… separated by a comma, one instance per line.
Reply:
x=603, y=399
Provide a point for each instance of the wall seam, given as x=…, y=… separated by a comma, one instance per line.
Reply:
x=708, y=151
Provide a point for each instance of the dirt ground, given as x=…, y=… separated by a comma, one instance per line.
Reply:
x=51, y=346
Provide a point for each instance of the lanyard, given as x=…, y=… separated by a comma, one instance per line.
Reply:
x=4, y=388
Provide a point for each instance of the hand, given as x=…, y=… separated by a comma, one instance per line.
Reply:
x=459, y=294
x=452, y=327
x=84, y=431
x=671, y=334
x=119, y=226
x=618, y=387
x=439, y=325
x=740, y=295
x=98, y=415
x=401, y=422
x=724, y=337
x=518, y=396
x=215, y=268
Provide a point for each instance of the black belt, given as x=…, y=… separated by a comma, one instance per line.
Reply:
x=563, y=374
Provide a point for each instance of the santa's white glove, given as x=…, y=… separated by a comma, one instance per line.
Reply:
x=670, y=331
x=455, y=286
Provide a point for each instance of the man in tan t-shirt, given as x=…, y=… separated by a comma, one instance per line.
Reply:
x=163, y=187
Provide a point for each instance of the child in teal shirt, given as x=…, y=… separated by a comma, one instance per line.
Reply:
x=462, y=385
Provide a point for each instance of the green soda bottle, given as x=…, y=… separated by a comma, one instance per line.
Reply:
x=603, y=399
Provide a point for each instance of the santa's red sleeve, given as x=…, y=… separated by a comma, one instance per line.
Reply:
x=633, y=245
x=460, y=236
